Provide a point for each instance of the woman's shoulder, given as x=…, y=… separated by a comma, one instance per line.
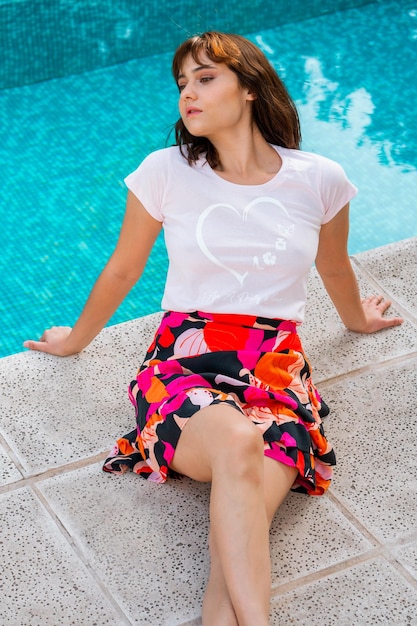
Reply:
x=317, y=165
x=304, y=156
x=158, y=163
x=163, y=155
x=171, y=158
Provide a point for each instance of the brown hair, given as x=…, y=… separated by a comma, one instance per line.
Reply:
x=274, y=112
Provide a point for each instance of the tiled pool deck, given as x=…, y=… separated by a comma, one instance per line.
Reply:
x=80, y=547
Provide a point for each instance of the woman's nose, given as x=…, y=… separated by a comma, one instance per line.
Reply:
x=188, y=92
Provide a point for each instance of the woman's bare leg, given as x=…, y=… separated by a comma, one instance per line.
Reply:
x=279, y=479
x=217, y=606
x=222, y=446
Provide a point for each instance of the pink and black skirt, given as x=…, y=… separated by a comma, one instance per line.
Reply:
x=254, y=364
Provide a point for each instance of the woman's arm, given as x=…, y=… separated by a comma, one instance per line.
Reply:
x=335, y=269
x=124, y=268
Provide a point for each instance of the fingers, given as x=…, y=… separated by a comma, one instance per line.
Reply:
x=41, y=346
x=375, y=307
x=389, y=322
x=52, y=341
x=375, y=300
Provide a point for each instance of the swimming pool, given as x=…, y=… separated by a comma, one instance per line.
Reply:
x=66, y=145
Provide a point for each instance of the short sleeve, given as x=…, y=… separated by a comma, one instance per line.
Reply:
x=147, y=183
x=336, y=189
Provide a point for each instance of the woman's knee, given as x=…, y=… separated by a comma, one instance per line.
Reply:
x=247, y=439
x=241, y=447
x=218, y=437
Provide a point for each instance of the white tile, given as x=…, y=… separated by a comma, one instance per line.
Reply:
x=407, y=556
x=146, y=541
x=42, y=582
x=309, y=534
x=161, y=531
x=370, y=593
x=395, y=266
x=333, y=350
x=373, y=427
x=9, y=473
x=56, y=410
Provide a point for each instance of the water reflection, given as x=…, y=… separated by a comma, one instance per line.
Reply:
x=358, y=69
x=356, y=110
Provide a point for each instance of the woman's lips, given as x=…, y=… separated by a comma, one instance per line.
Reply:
x=190, y=111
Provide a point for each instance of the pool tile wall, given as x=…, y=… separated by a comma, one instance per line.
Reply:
x=53, y=38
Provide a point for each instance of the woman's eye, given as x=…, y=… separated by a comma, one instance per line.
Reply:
x=203, y=79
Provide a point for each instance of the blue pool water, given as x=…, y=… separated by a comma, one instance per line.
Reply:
x=66, y=145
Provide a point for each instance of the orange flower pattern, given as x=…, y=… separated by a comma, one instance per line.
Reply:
x=254, y=364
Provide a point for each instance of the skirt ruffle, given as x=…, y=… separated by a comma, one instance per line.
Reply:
x=254, y=364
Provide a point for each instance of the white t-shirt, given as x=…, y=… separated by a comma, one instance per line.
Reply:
x=244, y=249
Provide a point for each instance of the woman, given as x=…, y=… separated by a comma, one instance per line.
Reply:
x=225, y=394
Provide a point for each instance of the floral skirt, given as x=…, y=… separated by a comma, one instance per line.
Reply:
x=254, y=364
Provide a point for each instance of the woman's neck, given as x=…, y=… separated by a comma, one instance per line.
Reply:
x=247, y=160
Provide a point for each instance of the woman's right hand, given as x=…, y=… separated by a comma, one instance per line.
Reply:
x=53, y=341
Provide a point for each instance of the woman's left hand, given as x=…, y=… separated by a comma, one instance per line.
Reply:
x=374, y=308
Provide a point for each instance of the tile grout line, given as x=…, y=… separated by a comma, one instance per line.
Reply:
x=337, y=568
x=352, y=519
x=383, y=290
x=32, y=479
x=372, y=367
x=11, y=454
x=380, y=548
x=78, y=552
x=389, y=544
x=194, y=621
x=401, y=569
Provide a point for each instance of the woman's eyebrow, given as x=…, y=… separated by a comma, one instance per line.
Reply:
x=196, y=69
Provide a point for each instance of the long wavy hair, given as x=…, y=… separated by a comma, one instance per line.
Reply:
x=273, y=110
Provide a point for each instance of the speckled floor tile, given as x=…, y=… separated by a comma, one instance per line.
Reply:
x=395, y=266
x=334, y=350
x=301, y=544
x=9, y=473
x=147, y=541
x=407, y=555
x=170, y=554
x=373, y=428
x=370, y=593
x=42, y=395
x=42, y=582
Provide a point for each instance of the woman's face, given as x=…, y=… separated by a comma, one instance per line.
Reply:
x=212, y=102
